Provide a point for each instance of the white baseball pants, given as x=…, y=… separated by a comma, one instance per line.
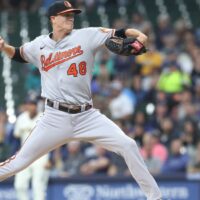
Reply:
x=56, y=128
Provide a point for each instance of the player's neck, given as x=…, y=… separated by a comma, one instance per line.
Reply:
x=58, y=35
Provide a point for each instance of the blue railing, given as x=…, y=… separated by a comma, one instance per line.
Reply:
x=173, y=187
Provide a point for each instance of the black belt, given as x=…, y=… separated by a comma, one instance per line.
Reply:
x=72, y=109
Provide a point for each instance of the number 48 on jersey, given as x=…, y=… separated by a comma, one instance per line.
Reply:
x=75, y=69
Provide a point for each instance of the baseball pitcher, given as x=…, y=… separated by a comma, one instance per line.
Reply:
x=65, y=59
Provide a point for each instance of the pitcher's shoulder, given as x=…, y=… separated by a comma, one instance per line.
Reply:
x=87, y=29
x=40, y=38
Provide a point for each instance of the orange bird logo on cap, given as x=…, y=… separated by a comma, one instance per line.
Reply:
x=67, y=4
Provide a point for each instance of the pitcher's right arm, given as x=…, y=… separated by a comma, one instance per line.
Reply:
x=11, y=51
x=7, y=49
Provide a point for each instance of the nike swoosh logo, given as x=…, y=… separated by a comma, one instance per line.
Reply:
x=42, y=47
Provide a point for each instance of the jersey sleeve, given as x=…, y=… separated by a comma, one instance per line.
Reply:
x=98, y=36
x=29, y=51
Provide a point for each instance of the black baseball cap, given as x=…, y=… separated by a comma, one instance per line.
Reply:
x=31, y=101
x=32, y=98
x=61, y=7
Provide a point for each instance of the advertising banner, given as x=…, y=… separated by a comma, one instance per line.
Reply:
x=171, y=190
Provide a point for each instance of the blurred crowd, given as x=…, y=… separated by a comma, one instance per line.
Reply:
x=34, y=5
x=154, y=98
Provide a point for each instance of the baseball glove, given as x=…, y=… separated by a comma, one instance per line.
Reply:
x=125, y=46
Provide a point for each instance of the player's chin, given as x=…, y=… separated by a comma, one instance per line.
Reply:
x=70, y=27
x=68, y=30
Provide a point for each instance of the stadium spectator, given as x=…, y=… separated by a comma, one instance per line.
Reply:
x=137, y=133
x=71, y=165
x=158, y=150
x=32, y=81
x=153, y=163
x=137, y=89
x=177, y=160
x=4, y=148
x=138, y=21
x=163, y=29
x=172, y=79
x=104, y=67
x=186, y=99
x=168, y=131
x=160, y=113
x=98, y=164
x=124, y=66
x=196, y=97
x=141, y=118
x=190, y=135
x=118, y=166
x=194, y=162
x=120, y=106
x=150, y=61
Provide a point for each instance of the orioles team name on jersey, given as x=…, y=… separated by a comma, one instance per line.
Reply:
x=54, y=59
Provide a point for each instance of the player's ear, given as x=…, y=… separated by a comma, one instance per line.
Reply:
x=52, y=18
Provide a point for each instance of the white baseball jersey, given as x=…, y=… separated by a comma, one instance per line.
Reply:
x=68, y=60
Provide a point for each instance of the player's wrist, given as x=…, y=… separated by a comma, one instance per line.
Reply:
x=5, y=47
x=142, y=38
x=2, y=46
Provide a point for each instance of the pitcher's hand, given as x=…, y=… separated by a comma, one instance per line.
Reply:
x=2, y=43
